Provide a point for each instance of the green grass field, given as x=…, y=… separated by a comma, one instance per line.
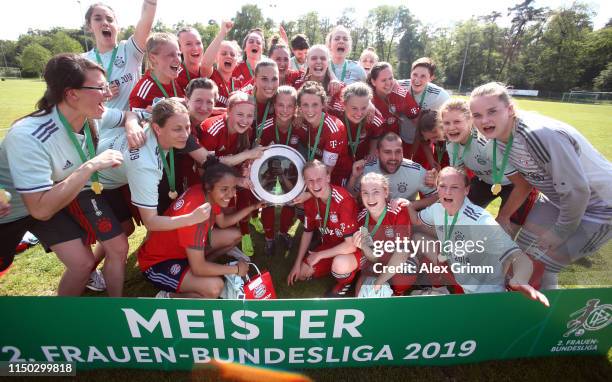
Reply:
x=37, y=273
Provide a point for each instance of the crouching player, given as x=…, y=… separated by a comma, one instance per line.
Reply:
x=483, y=266
x=179, y=261
x=382, y=223
x=334, y=212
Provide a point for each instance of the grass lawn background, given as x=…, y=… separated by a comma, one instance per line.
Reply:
x=37, y=273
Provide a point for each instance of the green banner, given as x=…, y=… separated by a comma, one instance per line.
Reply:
x=298, y=334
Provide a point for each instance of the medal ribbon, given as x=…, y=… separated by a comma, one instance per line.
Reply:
x=498, y=173
x=259, y=128
x=88, y=138
x=353, y=144
x=448, y=232
x=288, y=133
x=465, y=150
x=422, y=96
x=109, y=69
x=378, y=223
x=312, y=151
x=161, y=87
x=187, y=72
x=326, y=208
x=343, y=75
x=249, y=67
x=169, y=168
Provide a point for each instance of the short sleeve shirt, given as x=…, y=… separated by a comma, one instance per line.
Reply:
x=147, y=92
x=353, y=73
x=38, y=153
x=126, y=70
x=165, y=245
x=478, y=157
x=406, y=182
x=342, y=218
x=142, y=168
x=473, y=225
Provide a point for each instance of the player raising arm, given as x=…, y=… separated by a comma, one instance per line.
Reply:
x=122, y=61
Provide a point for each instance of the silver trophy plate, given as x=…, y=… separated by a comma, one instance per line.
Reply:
x=277, y=175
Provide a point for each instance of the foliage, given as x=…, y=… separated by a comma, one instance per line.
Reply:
x=33, y=60
x=550, y=50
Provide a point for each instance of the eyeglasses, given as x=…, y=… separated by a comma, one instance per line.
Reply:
x=104, y=88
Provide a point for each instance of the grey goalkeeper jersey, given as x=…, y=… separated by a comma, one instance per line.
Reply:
x=562, y=164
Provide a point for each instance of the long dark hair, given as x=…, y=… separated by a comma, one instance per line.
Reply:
x=375, y=71
x=214, y=171
x=64, y=71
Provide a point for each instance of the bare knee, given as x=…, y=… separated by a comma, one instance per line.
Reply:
x=213, y=288
x=343, y=264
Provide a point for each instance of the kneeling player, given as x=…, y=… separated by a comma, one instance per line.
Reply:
x=383, y=223
x=481, y=267
x=333, y=211
x=178, y=261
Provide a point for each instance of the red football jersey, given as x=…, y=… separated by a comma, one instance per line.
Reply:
x=369, y=131
x=342, y=218
x=396, y=224
x=165, y=245
x=183, y=79
x=242, y=72
x=291, y=76
x=398, y=102
x=332, y=142
x=225, y=89
x=268, y=137
x=216, y=136
x=146, y=91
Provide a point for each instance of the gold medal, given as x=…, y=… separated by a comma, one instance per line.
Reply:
x=97, y=187
x=172, y=194
x=5, y=196
x=496, y=188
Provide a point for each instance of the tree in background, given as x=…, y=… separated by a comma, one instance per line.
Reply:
x=541, y=49
x=603, y=82
x=33, y=60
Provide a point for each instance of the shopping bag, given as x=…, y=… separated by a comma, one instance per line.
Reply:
x=259, y=287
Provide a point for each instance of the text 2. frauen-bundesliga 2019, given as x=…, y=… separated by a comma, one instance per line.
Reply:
x=242, y=326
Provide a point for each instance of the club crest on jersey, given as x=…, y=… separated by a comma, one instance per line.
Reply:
x=104, y=225
x=338, y=232
x=119, y=62
x=391, y=120
x=389, y=232
x=402, y=187
x=179, y=203
x=294, y=140
x=392, y=109
x=333, y=218
x=175, y=269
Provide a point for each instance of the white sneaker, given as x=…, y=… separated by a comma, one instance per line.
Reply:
x=237, y=254
x=96, y=281
x=163, y=294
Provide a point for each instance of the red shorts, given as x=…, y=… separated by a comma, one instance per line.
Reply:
x=323, y=267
